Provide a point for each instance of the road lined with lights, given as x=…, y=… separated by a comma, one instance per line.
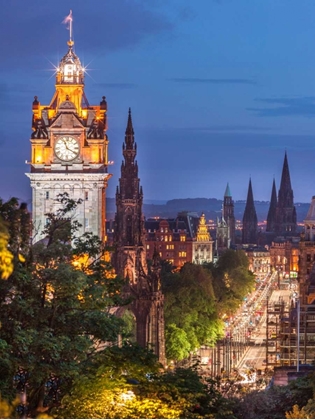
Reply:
x=255, y=357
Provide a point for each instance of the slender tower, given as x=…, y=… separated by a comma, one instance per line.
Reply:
x=249, y=233
x=286, y=212
x=129, y=258
x=272, y=212
x=69, y=150
x=228, y=213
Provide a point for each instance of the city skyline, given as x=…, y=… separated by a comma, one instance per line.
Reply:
x=219, y=90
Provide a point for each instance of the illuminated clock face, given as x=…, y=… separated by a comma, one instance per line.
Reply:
x=67, y=148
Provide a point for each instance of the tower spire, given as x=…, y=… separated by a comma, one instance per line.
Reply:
x=227, y=191
x=286, y=213
x=228, y=214
x=249, y=234
x=129, y=128
x=271, y=217
x=285, y=178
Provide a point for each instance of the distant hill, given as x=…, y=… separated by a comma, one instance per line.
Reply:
x=210, y=206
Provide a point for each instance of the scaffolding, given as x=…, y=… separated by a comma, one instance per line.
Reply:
x=276, y=315
x=282, y=345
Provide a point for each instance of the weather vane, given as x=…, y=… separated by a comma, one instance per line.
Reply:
x=68, y=20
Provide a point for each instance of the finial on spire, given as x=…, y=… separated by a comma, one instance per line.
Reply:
x=68, y=20
x=129, y=129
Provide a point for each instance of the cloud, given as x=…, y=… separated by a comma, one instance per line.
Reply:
x=199, y=80
x=28, y=33
x=117, y=85
x=230, y=128
x=282, y=107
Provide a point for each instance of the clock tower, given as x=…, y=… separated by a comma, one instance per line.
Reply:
x=69, y=151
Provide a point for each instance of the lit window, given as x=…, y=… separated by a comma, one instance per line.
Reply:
x=148, y=246
x=183, y=238
x=166, y=238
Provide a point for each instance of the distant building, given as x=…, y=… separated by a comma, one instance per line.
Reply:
x=225, y=229
x=180, y=240
x=202, y=244
x=281, y=219
x=259, y=259
x=284, y=257
x=228, y=214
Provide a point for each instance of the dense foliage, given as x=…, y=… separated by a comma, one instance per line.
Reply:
x=130, y=386
x=232, y=280
x=198, y=297
x=54, y=308
x=190, y=311
x=295, y=400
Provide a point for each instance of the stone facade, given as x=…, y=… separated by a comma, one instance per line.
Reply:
x=129, y=257
x=202, y=251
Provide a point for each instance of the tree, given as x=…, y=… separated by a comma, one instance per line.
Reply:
x=130, y=385
x=190, y=311
x=232, y=280
x=279, y=401
x=6, y=256
x=55, y=311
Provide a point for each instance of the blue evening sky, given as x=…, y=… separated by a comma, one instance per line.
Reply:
x=219, y=89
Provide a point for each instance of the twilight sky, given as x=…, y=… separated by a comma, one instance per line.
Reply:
x=219, y=89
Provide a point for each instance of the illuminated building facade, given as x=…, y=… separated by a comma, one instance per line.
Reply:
x=284, y=258
x=259, y=260
x=69, y=151
x=202, y=245
x=180, y=240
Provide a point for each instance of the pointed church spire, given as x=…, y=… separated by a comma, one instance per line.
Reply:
x=271, y=217
x=227, y=191
x=285, y=184
x=249, y=234
x=228, y=215
x=286, y=213
x=129, y=144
